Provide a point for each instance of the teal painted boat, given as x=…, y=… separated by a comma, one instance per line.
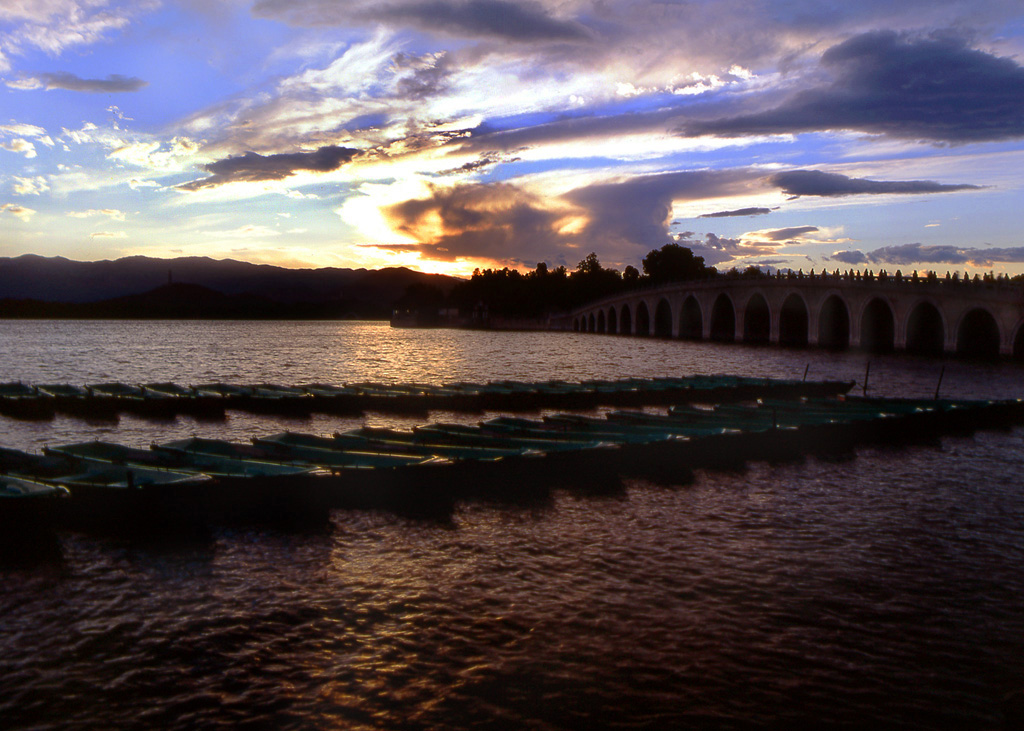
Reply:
x=391, y=442
x=189, y=453
x=472, y=435
x=300, y=455
x=21, y=401
x=27, y=509
x=534, y=429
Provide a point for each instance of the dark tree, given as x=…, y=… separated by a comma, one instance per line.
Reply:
x=675, y=263
x=591, y=281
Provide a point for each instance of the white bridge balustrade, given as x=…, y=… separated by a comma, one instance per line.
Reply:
x=878, y=313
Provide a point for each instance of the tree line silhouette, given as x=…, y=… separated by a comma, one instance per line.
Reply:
x=511, y=293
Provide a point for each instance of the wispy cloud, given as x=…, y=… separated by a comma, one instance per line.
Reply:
x=19, y=212
x=111, y=213
x=55, y=25
x=115, y=83
x=30, y=186
x=21, y=146
x=738, y=212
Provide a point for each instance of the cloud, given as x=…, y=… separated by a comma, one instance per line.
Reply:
x=933, y=88
x=816, y=182
x=111, y=213
x=135, y=184
x=108, y=235
x=55, y=25
x=422, y=77
x=497, y=221
x=510, y=21
x=21, y=146
x=787, y=234
x=716, y=249
x=252, y=167
x=739, y=212
x=636, y=212
x=906, y=254
x=30, y=186
x=114, y=83
x=248, y=231
x=849, y=257
x=24, y=130
x=20, y=212
x=618, y=219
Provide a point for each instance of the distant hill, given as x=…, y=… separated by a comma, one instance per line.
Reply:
x=196, y=287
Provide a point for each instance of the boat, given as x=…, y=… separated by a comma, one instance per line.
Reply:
x=28, y=505
x=169, y=399
x=21, y=401
x=75, y=401
x=298, y=455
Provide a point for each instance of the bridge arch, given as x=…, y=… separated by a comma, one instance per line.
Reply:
x=626, y=321
x=643, y=319
x=757, y=320
x=612, y=321
x=691, y=320
x=978, y=334
x=834, y=324
x=591, y=324
x=663, y=319
x=600, y=321
x=793, y=321
x=878, y=327
x=1018, y=342
x=926, y=330
x=723, y=319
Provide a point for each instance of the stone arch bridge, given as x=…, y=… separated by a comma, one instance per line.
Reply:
x=877, y=313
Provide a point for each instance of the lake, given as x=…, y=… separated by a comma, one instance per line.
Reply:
x=883, y=590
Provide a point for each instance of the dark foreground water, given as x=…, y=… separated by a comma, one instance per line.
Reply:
x=881, y=591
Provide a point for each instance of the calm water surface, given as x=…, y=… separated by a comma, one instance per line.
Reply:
x=882, y=591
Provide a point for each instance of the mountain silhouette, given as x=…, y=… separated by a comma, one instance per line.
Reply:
x=198, y=287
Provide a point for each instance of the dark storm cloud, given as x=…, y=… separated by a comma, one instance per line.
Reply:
x=849, y=257
x=638, y=210
x=618, y=220
x=428, y=76
x=716, y=249
x=816, y=182
x=740, y=212
x=885, y=83
x=254, y=167
x=786, y=234
x=906, y=254
x=114, y=83
x=495, y=221
x=515, y=21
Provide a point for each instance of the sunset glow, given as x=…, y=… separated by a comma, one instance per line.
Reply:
x=482, y=133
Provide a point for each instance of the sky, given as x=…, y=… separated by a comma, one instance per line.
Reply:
x=447, y=135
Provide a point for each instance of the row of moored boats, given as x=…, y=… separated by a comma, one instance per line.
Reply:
x=211, y=400
x=201, y=479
